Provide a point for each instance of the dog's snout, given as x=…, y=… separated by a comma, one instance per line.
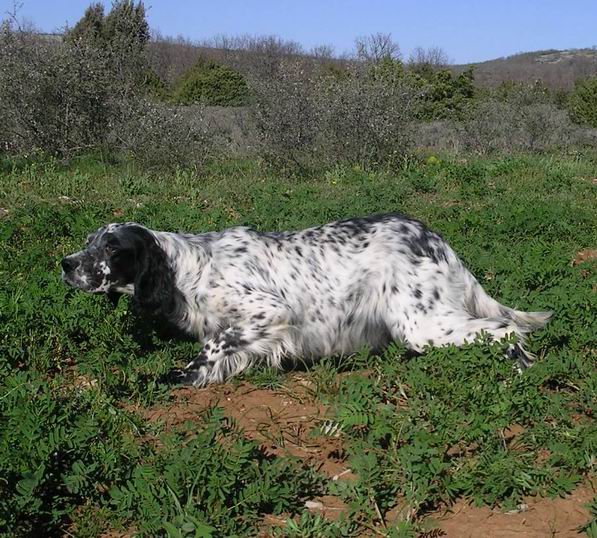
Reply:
x=68, y=264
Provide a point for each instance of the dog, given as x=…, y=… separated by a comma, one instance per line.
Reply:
x=329, y=290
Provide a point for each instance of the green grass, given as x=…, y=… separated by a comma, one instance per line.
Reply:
x=418, y=432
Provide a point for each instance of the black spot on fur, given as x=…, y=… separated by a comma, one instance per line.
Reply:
x=427, y=244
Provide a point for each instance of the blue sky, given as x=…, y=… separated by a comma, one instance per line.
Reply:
x=467, y=30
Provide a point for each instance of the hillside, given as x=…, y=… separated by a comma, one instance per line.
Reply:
x=557, y=68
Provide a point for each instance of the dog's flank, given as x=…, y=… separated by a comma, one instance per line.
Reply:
x=329, y=290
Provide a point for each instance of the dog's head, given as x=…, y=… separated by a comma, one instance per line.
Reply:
x=122, y=258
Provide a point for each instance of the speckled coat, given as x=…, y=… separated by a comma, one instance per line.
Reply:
x=329, y=290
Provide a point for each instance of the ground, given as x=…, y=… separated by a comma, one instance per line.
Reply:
x=281, y=421
x=453, y=442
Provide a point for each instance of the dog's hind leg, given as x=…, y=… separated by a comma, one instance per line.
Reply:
x=442, y=330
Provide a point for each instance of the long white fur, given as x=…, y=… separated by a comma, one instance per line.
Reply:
x=329, y=290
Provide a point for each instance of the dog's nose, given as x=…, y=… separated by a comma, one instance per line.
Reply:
x=68, y=264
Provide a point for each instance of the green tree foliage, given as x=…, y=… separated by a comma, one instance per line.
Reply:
x=90, y=27
x=125, y=27
x=389, y=70
x=210, y=83
x=444, y=95
x=583, y=102
x=155, y=86
x=122, y=34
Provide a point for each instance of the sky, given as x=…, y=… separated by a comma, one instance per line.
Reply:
x=467, y=30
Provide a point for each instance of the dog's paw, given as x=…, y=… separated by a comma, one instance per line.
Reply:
x=177, y=376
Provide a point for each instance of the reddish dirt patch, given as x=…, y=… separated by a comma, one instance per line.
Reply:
x=119, y=534
x=588, y=254
x=282, y=421
x=539, y=518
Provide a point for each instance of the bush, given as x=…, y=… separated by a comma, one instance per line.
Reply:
x=361, y=117
x=90, y=91
x=583, y=102
x=445, y=96
x=62, y=97
x=155, y=87
x=365, y=119
x=504, y=126
x=58, y=98
x=209, y=83
x=160, y=135
x=286, y=116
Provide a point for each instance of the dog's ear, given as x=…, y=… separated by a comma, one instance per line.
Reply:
x=154, y=289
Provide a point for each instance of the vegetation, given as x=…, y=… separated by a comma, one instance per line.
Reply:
x=105, y=87
x=78, y=377
x=99, y=127
x=583, y=102
x=208, y=83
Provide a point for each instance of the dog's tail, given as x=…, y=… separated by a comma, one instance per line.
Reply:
x=480, y=305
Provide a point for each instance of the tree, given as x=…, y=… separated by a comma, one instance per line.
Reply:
x=377, y=47
x=126, y=25
x=583, y=102
x=122, y=35
x=90, y=27
x=426, y=61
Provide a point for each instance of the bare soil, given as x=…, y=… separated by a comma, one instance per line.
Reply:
x=586, y=255
x=537, y=518
x=284, y=422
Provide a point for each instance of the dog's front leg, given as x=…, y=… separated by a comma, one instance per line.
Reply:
x=229, y=353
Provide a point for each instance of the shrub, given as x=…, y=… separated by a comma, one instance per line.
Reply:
x=89, y=91
x=360, y=117
x=583, y=102
x=54, y=97
x=155, y=87
x=160, y=135
x=498, y=125
x=63, y=96
x=286, y=116
x=365, y=119
x=209, y=83
x=444, y=95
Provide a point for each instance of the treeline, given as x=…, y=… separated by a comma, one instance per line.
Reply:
x=109, y=86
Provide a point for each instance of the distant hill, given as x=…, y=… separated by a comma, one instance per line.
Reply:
x=557, y=68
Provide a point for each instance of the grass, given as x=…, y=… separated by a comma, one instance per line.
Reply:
x=418, y=433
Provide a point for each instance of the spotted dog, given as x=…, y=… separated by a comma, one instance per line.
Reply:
x=254, y=296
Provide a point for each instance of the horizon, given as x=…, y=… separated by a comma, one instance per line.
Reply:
x=497, y=32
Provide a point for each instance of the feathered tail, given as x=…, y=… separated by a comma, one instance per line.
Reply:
x=480, y=305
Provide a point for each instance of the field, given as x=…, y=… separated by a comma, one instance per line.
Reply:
x=453, y=442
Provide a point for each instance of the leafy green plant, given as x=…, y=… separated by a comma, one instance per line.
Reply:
x=209, y=83
x=582, y=102
x=78, y=376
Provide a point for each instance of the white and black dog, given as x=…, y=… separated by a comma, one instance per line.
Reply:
x=330, y=290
